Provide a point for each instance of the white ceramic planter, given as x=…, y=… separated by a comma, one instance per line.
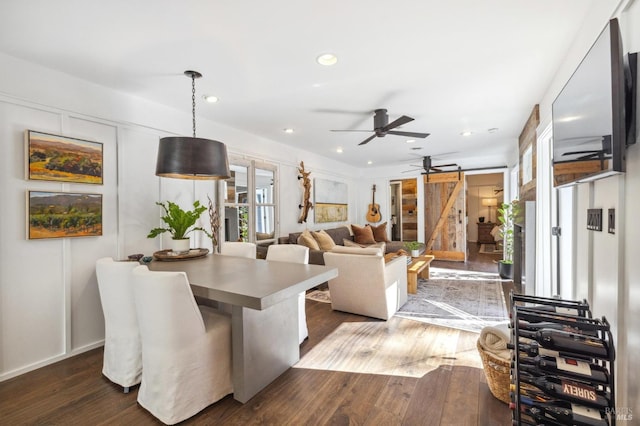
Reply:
x=181, y=246
x=415, y=253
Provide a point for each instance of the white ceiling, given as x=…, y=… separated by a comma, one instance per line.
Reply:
x=453, y=65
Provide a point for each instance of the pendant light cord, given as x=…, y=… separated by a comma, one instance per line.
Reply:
x=193, y=102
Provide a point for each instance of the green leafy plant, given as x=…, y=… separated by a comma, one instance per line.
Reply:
x=508, y=214
x=179, y=222
x=413, y=245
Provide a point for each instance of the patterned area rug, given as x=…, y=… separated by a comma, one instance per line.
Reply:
x=464, y=300
x=319, y=296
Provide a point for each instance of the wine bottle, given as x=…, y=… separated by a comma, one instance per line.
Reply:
x=574, y=328
x=565, y=366
x=572, y=391
x=569, y=342
x=563, y=412
x=529, y=391
x=533, y=349
x=581, y=309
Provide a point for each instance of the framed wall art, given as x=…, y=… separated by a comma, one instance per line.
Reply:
x=64, y=159
x=63, y=214
x=331, y=201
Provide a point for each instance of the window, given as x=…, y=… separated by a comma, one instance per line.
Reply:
x=249, y=198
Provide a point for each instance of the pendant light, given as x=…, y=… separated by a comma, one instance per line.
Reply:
x=184, y=157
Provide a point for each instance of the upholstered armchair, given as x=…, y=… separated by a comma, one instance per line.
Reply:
x=122, y=360
x=186, y=348
x=365, y=284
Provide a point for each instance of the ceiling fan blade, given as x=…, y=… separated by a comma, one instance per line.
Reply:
x=351, y=131
x=398, y=122
x=593, y=152
x=446, y=165
x=409, y=134
x=367, y=140
x=435, y=169
x=593, y=156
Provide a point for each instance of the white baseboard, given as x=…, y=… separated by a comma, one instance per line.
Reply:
x=22, y=370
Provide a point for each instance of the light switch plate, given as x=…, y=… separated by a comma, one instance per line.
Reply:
x=594, y=219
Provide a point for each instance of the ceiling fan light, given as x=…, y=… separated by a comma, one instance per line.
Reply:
x=411, y=141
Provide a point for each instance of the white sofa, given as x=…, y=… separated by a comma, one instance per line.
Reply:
x=365, y=284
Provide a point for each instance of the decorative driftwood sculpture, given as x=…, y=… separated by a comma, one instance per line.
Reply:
x=306, y=183
x=214, y=220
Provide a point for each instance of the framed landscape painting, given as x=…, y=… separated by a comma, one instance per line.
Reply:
x=61, y=158
x=63, y=214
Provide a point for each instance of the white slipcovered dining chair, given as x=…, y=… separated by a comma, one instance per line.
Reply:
x=365, y=284
x=186, y=348
x=295, y=254
x=238, y=249
x=122, y=359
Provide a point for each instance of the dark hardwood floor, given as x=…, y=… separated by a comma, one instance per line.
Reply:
x=454, y=392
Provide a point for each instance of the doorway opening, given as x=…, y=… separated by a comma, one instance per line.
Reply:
x=404, y=209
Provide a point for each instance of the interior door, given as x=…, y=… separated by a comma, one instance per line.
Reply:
x=445, y=230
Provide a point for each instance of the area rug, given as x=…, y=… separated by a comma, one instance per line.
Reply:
x=489, y=249
x=463, y=300
x=319, y=296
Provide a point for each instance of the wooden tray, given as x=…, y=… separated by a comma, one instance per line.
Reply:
x=169, y=255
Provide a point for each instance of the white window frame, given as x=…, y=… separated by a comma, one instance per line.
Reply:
x=251, y=204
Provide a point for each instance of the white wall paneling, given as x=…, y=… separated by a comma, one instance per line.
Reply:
x=49, y=303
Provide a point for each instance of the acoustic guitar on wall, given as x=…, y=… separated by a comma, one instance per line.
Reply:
x=373, y=213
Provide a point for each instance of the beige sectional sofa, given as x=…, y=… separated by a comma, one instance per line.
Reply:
x=342, y=235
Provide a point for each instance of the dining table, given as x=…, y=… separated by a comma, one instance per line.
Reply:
x=264, y=310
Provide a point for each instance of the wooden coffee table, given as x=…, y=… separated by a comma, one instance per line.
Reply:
x=419, y=266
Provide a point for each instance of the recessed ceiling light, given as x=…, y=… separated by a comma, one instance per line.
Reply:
x=327, y=59
x=210, y=98
x=288, y=130
x=369, y=162
x=411, y=141
x=466, y=133
x=339, y=150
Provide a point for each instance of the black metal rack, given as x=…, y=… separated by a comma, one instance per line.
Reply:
x=574, y=314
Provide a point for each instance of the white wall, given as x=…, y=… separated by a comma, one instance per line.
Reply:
x=606, y=265
x=49, y=303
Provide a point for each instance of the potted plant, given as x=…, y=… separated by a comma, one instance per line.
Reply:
x=179, y=224
x=413, y=247
x=507, y=215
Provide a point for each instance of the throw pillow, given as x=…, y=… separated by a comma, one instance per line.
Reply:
x=380, y=232
x=363, y=235
x=324, y=240
x=307, y=240
x=349, y=243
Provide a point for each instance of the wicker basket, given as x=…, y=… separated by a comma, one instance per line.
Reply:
x=498, y=373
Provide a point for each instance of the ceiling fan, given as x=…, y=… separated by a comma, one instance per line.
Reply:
x=428, y=167
x=594, y=154
x=382, y=127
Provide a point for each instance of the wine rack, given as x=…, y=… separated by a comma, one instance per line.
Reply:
x=562, y=370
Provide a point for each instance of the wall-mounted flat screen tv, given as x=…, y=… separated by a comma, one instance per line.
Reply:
x=592, y=124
